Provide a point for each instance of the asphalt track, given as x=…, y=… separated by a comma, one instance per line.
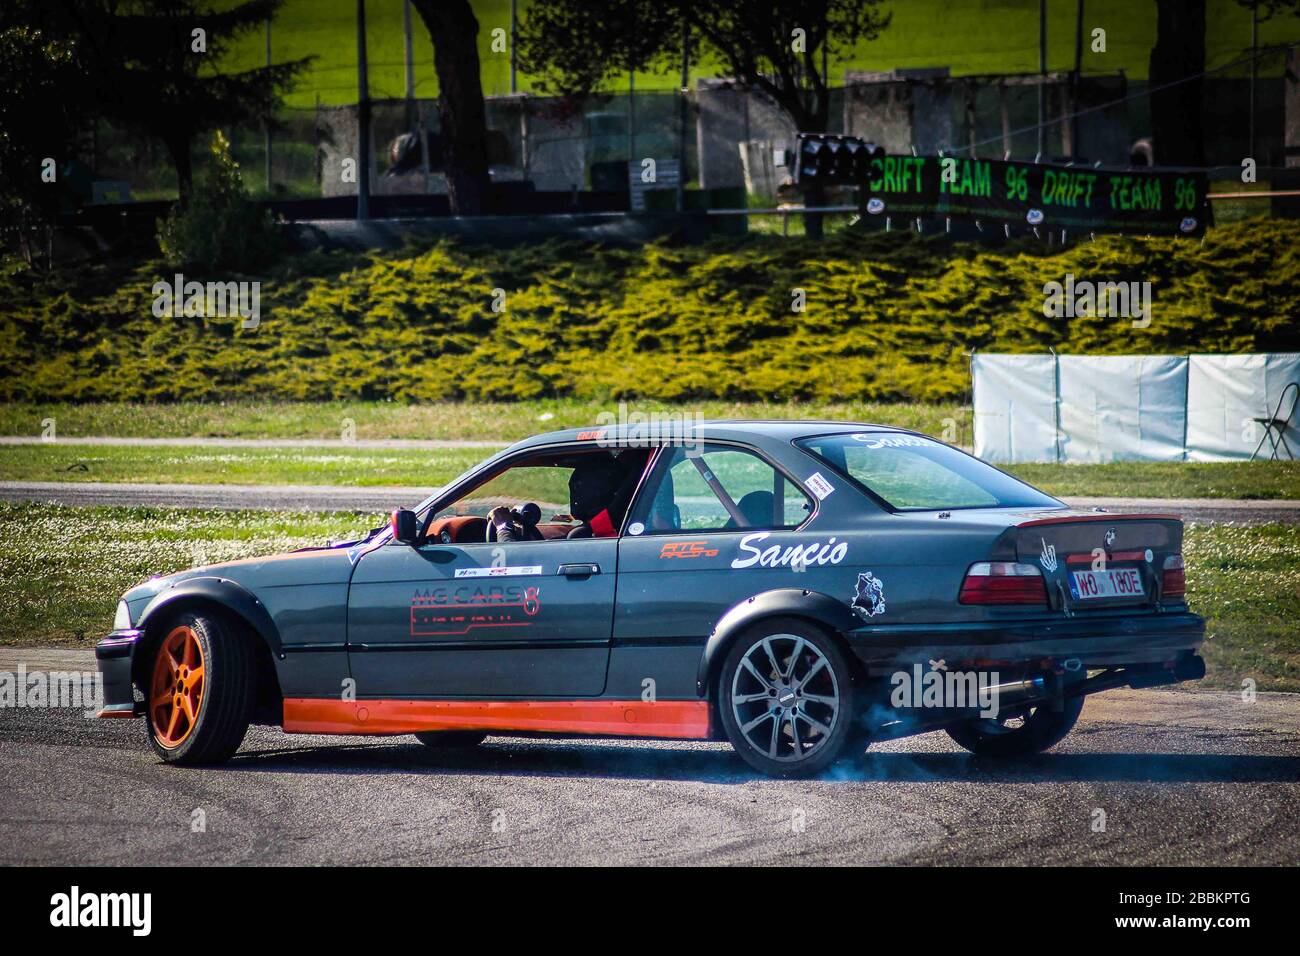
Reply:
x=1182, y=777
x=383, y=500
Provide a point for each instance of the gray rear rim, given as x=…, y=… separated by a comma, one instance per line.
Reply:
x=785, y=697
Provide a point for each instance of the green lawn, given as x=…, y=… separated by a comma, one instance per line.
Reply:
x=1160, y=479
x=929, y=33
x=1246, y=580
x=59, y=591
x=235, y=466
x=503, y=421
x=57, y=461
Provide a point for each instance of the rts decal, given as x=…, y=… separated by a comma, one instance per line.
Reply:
x=687, y=549
x=797, y=555
x=868, y=596
x=441, y=611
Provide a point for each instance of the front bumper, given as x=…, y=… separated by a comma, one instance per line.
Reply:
x=1094, y=642
x=115, y=655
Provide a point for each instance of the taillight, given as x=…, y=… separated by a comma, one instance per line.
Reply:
x=1173, y=583
x=1003, y=582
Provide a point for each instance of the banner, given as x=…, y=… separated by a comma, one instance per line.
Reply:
x=1042, y=195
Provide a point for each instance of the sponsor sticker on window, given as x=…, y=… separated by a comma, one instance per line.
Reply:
x=820, y=486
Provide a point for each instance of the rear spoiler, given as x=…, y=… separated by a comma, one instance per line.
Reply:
x=1097, y=516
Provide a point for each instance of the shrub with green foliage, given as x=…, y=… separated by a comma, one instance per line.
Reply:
x=888, y=317
x=219, y=228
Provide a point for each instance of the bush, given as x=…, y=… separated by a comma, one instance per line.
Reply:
x=219, y=228
x=889, y=317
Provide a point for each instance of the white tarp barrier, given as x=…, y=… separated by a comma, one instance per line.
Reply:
x=1122, y=407
x=1015, y=407
x=1225, y=393
x=1079, y=408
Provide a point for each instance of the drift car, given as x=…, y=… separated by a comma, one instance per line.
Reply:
x=792, y=587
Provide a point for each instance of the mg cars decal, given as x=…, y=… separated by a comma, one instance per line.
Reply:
x=438, y=612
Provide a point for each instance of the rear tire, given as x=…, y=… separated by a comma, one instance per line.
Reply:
x=1042, y=729
x=785, y=695
x=200, y=692
x=451, y=739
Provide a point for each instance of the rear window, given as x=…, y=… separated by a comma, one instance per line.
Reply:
x=911, y=473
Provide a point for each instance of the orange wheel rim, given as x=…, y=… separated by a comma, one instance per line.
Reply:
x=176, y=692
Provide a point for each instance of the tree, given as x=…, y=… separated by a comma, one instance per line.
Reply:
x=1177, y=64
x=776, y=47
x=41, y=115
x=454, y=31
x=153, y=65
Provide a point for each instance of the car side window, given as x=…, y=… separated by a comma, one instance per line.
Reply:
x=718, y=488
x=537, y=495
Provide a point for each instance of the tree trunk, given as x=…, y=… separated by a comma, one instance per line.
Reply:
x=179, y=148
x=454, y=31
x=1176, y=129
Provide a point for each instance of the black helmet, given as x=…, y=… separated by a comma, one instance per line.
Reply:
x=593, y=485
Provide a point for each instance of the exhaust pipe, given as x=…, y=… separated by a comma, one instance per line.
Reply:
x=1028, y=687
x=1191, y=667
x=1043, y=690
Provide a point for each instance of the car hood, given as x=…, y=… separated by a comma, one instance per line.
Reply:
x=313, y=566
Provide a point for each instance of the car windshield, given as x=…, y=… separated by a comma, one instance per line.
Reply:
x=912, y=473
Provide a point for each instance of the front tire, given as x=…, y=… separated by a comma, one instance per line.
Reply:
x=1018, y=733
x=201, y=690
x=785, y=696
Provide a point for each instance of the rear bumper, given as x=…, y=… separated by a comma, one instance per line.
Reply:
x=1095, y=643
x=115, y=655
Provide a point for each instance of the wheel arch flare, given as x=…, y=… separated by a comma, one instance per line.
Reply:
x=814, y=606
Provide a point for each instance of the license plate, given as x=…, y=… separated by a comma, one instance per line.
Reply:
x=1113, y=583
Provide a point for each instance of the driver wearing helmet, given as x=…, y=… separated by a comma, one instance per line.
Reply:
x=600, y=490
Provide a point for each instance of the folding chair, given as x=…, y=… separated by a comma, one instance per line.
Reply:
x=1278, y=424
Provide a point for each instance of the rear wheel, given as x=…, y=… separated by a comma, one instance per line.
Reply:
x=785, y=696
x=451, y=739
x=1018, y=733
x=200, y=693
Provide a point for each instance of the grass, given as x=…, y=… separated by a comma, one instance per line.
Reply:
x=235, y=466
x=502, y=421
x=1161, y=479
x=356, y=467
x=922, y=34
x=54, y=591
x=1245, y=580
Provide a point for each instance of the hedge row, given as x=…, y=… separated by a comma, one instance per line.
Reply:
x=887, y=317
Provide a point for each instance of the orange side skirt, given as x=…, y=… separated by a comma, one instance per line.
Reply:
x=681, y=719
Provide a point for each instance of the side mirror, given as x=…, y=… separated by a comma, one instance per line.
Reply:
x=404, y=525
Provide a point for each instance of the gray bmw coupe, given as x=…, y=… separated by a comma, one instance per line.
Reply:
x=795, y=588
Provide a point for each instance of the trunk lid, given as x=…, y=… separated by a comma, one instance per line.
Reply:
x=1094, y=561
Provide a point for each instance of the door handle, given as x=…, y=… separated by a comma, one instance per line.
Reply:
x=579, y=570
